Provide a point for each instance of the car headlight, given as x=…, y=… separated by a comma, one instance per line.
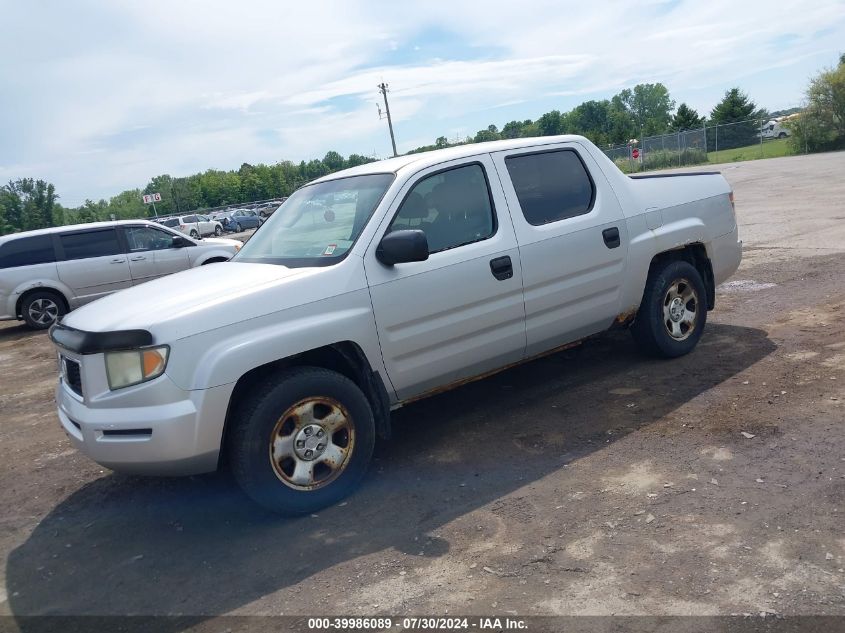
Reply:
x=124, y=369
x=238, y=246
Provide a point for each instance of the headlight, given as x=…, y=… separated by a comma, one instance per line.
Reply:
x=238, y=246
x=124, y=369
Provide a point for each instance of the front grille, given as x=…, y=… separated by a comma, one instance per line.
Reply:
x=73, y=376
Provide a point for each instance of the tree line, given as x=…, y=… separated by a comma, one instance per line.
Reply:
x=644, y=110
x=27, y=204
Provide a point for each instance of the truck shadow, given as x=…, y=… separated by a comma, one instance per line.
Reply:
x=197, y=547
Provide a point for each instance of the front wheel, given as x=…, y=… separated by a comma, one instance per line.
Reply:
x=238, y=228
x=302, y=440
x=41, y=309
x=673, y=312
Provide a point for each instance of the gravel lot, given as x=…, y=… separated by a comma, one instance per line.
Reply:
x=590, y=482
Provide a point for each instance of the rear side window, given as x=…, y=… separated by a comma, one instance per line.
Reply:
x=451, y=207
x=189, y=219
x=90, y=244
x=169, y=222
x=551, y=186
x=27, y=251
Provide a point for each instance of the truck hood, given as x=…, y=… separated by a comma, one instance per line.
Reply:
x=204, y=298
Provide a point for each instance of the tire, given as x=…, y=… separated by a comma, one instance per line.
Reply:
x=238, y=228
x=275, y=472
x=782, y=135
x=218, y=230
x=43, y=308
x=195, y=234
x=664, y=326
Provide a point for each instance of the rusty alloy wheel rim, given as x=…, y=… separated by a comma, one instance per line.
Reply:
x=311, y=443
x=680, y=309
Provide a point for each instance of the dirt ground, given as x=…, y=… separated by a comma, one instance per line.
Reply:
x=593, y=481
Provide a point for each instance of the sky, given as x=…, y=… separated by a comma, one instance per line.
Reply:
x=99, y=96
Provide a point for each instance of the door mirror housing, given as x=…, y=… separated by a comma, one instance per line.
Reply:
x=180, y=242
x=400, y=247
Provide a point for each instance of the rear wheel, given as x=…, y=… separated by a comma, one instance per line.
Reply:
x=218, y=230
x=302, y=440
x=673, y=312
x=195, y=234
x=41, y=309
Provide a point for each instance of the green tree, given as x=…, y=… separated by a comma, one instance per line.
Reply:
x=512, y=129
x=550, y=124
x=821, y=126
x=29, y=204
x=128, y=205
x=650, y=106
x=91, y=211
x=590, y=119
x=333, y=161
x=685, y=119
x=738, y=110
x=357, y=159
x=490, y=134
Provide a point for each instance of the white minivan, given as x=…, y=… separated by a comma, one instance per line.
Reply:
x=46, y=273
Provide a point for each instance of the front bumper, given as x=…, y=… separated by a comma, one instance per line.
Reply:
x=154, y=428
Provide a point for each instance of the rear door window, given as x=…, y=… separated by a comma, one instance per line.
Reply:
x=97, y=243
x=551, y=186
x=27, y=251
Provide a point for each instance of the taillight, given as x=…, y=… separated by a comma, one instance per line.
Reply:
x=731, y=198
x=182, y=226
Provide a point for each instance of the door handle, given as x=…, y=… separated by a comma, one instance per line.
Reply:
x=117, y=261
x=502, y=268
x=137, y=259
x=611, y=237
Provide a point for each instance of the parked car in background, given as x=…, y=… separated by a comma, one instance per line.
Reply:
x=193, y=225
x=266, y=212
x=383, y=284
x=237, y=220
x=46, y=273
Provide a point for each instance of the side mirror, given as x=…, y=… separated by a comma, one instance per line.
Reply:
x=400, y=247
x=179, y=242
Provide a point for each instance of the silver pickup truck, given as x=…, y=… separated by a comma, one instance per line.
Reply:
x=379, y=285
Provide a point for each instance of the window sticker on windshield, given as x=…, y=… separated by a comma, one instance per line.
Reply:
x=329, y=249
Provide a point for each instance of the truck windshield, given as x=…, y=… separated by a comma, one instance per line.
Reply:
x=318, y=224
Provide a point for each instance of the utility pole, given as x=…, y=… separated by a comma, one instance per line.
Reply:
x=382, y=88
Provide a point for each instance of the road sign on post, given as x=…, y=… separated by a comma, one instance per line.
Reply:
x=152, y=198
x=635, y=153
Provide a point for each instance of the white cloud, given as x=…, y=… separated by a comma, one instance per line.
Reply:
x=101, y=96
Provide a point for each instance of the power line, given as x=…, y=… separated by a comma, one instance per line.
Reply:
x=382, y=88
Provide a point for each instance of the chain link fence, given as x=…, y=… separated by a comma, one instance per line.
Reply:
x=694, y=147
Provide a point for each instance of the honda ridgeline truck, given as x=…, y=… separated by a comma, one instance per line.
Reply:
x=379, y=285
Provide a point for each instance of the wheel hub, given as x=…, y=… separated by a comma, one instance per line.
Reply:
x=310, y=442
x=676, y=309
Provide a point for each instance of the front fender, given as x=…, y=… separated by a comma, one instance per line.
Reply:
x=222, y=356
